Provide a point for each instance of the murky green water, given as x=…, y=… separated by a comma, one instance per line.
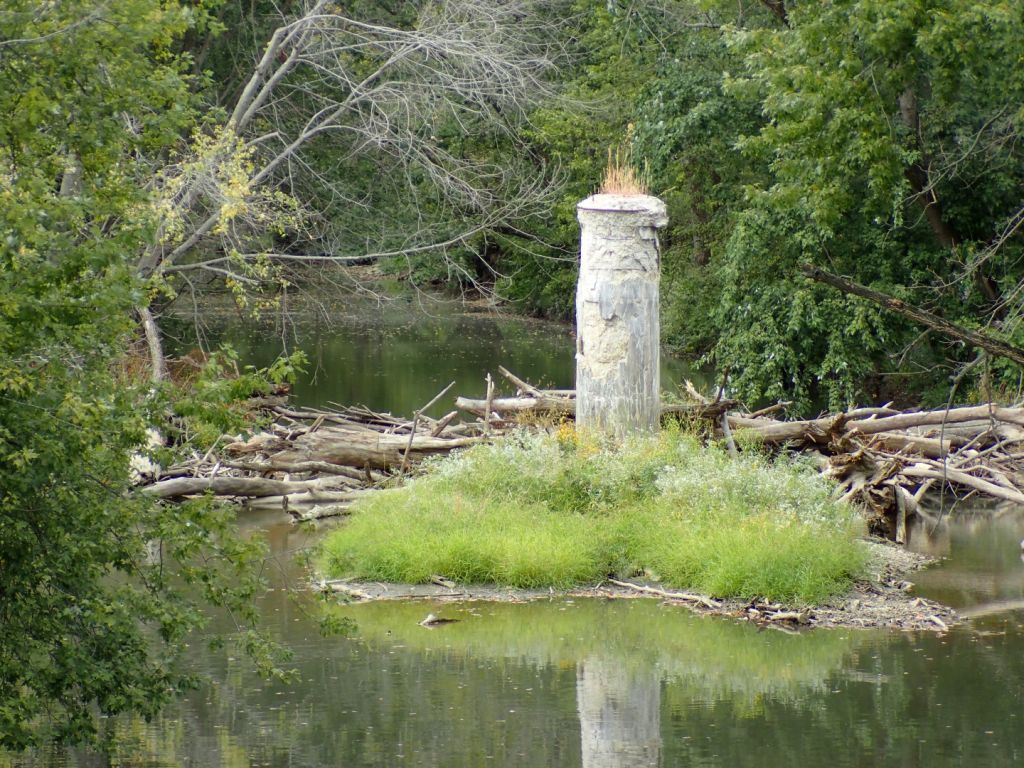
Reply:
x=590, y=683
x=397, y=353
x=603, y=683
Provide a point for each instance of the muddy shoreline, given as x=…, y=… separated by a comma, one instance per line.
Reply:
x=885, y=600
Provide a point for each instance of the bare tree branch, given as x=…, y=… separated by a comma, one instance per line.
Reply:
x=375, y=97
x=984, y=341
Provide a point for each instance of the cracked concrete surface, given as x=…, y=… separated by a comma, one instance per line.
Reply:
x=617, y=306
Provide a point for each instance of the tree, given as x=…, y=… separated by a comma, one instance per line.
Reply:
x=354, y=137
x=893, y=144
x=125, y=174
x=617, y=54
x=688, y=126
x=872, y=139
x=93, y=579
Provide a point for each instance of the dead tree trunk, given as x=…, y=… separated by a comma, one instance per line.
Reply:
x=154, y=343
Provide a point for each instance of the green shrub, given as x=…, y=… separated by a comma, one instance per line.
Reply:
x=217, y=400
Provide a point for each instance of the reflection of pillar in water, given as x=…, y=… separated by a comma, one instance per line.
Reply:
x=620, y=714
x=154, y=552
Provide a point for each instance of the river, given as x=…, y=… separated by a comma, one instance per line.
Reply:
x=396, y=351
x=595, y=684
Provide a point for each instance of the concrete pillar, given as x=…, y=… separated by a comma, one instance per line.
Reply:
x=618, y=386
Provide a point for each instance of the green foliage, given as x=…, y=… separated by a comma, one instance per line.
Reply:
x=217, y=401
x=93, y=574
x=874, y=109
x=94, y=594
x=878, y=140
x=532, y=512
x=687, y=129
x=613, y=50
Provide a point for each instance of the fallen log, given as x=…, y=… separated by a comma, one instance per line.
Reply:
x=318, y=511
x=962, y=478
x=499, y=405
x=986, y=414
x=352, y=476
x=711, y=410
x=769, y=431
x=933, y=448
x=951, y=424
x=234, y=486
x=353, y=448
x=686, y=597
x=524, y=387
x=289, y=502
x=443, y=423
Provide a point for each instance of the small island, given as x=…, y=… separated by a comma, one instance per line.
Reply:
x=541, y=513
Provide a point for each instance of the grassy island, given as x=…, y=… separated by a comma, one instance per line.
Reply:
x=538, y=510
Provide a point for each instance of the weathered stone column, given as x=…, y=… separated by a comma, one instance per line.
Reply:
x=618, y=387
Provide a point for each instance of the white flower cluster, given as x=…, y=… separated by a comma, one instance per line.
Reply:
x=786, y=493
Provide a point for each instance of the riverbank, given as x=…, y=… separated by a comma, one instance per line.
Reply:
x=884, y=599
x=544, y=513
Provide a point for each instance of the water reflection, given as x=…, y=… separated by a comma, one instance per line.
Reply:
x=592, y=683
x=715, y=660
x=620, y=714
x=988, y=571
x=625, y=654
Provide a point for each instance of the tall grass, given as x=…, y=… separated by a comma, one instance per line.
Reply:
x=621, y=175
x=536, y=510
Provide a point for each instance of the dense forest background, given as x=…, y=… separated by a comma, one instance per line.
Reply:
x=876, y=140
x=249, y=145
x=153, y=151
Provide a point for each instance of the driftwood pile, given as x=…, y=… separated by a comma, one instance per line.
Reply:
x=891, y=462
x=895, y=464
x=314, y=463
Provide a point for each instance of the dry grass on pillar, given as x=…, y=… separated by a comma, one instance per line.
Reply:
x=621, y=176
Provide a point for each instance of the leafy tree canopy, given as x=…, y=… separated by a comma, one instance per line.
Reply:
x=90, y=574
x=892, y=140
x=877, y=140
